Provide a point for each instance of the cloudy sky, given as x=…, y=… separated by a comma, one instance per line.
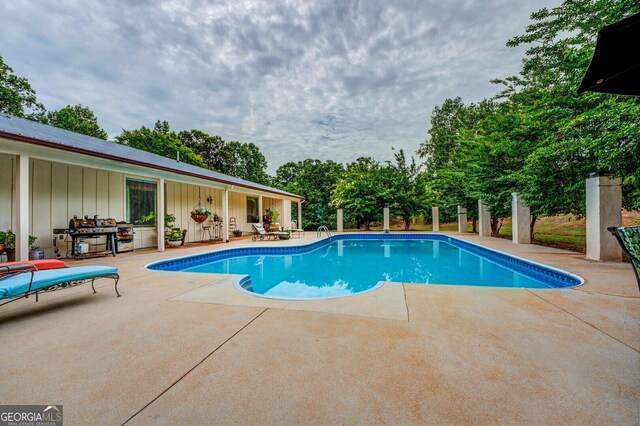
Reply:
x=333, y=80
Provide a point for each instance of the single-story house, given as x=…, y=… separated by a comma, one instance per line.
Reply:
x=49, y=175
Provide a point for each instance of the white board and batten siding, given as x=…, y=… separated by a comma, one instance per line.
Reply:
x=181, y=198
x=238, y=209
x=57, y=193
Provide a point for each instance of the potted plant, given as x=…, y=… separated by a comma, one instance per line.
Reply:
x=35, y=253
x=275, y=214
x=174, y=237
x=10, y=245
x=200, y=213
x=270, y=218
x=3, y=239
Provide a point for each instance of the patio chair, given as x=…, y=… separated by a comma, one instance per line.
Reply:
x=261, y=234
x=295, y=229
x=14, y=286
x=629, y=239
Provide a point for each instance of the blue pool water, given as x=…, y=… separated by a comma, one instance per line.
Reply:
x=350, y=264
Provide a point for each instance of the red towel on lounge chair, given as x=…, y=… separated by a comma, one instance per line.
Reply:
x=40, y=265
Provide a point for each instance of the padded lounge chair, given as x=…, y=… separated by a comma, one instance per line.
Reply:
x=261, y=234
x=17, y=285
x=629, y=239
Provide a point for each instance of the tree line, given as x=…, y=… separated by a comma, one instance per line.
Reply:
x=535, y=136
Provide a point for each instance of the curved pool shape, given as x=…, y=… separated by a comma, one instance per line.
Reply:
x=355, y=263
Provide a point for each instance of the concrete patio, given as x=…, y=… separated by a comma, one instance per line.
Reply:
x=184, y=348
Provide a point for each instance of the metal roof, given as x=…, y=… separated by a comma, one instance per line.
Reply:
x=33, y=132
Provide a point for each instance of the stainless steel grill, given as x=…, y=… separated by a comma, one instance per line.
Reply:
x=81, y=229
x=92, y=226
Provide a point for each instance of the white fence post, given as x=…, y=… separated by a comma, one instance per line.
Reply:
x=386, y=219
x=520, y=221
x=340, y=220
x=462, y=219
x=435, y=218
x=604, y=209
x=484, y=220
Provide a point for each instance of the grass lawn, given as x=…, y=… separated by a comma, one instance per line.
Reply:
x=565, y=231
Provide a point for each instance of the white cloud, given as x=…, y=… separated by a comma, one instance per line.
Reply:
x=302, y=79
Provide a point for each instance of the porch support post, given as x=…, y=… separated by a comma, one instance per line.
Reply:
x=161, y=212
x=604, y=209
x=385, y=213
x=300, y=214
x=340, y=220
x=225, y=215
x=520, y=220
x=462, y=219
x=22, y=207
x=435, y=218
x=484, y=219
x=260, y=211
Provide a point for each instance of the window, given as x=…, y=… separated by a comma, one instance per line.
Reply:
x=141, y=202
x=252, y=210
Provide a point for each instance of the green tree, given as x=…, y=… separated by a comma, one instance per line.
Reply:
x=408, y=192
x=447, y=154
x=78, y=118
x=242, y=160
x=160, y=141
x=575, y=134
x=245, y=161
x=495, y=153
x=447, y=123
x=210, y=148
x=363, y=191
x=314, y=180
x=16, y=95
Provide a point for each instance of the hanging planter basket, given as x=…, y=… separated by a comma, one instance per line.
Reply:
x=199, y=217
x=200, y=213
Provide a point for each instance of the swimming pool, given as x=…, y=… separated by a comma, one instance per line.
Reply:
x=350, y=264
